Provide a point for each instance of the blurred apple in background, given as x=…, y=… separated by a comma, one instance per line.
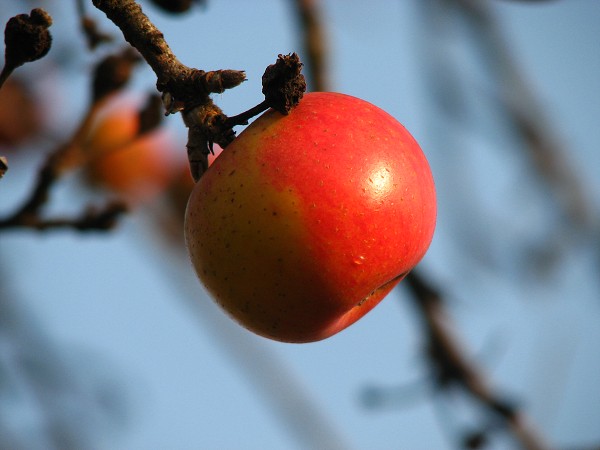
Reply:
x=124, y=159
x=20, y=117
x=306, y=221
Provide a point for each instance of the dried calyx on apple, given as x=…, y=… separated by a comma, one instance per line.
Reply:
x=310, y=217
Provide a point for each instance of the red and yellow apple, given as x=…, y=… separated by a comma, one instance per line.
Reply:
x=307, y=221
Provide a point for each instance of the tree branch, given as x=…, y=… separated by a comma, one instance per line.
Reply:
x=187, y=85
x=110, y=75
x=314, y=42
x=188, y=90
x=450, y=365
x=522, y=108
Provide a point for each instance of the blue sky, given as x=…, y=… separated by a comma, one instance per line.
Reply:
x=128, y=320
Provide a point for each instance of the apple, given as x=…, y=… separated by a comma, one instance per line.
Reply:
x=136, y=166
x=20, y=116
x=216, y=151
x=138, y=171
x=305, y=222
x=117, y=126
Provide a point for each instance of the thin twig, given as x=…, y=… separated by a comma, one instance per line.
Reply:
x=110, y=76
x=243, y=118
x=90, y=28
x=61, y=160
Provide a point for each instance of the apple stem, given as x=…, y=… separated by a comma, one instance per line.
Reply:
x=242, y=118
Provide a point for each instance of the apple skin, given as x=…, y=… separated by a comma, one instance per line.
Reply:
x=307, y=221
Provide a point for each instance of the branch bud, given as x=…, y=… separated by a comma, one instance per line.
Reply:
x=113, y=72
x=27, y=38
x=217, y=81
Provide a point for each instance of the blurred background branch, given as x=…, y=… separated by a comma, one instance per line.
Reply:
x=517, y=100
x=314, y=42
x=450, y=365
